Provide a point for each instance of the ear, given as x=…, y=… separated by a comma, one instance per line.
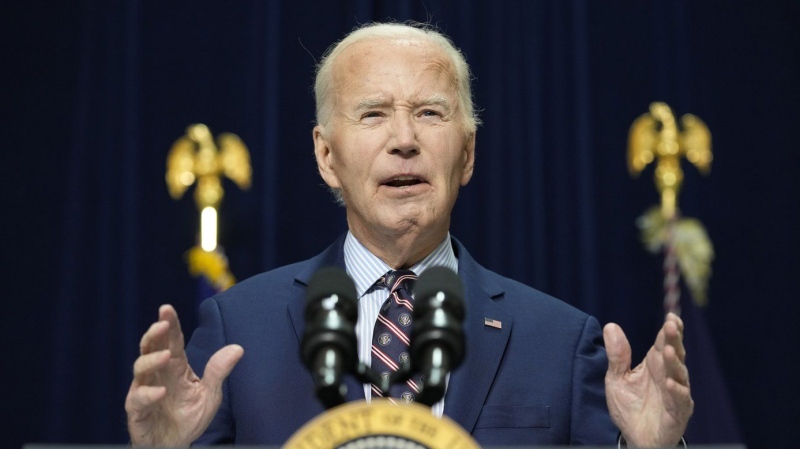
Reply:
x=469, y=159
x=324, y=156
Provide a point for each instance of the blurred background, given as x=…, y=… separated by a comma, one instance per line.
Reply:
x=95, y=93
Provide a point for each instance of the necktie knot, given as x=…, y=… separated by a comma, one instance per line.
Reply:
x=399, y=279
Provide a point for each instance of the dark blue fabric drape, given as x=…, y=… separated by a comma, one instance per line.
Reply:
x=96, y=92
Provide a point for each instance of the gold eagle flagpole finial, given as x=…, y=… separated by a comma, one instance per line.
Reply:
x=656, y=137
x=196, y=158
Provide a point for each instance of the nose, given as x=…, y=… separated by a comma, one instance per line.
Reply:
x=403, y=137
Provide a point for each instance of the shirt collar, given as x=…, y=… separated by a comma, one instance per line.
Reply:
x=365, y=268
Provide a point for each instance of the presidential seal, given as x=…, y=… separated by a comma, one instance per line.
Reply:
x=380, y=425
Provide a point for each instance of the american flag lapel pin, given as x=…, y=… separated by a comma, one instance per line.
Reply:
x=492, y=323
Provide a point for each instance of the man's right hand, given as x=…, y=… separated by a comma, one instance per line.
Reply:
x=167, y=404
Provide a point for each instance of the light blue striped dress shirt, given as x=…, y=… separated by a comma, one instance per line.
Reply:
x=365, y=268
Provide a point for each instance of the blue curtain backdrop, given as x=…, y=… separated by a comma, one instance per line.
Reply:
x=95, y=92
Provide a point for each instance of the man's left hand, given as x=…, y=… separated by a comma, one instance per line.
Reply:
x=652, y=403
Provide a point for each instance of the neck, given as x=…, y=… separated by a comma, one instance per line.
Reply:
x=400, y=250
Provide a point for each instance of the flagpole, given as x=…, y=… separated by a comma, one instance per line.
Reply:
x=196, y=158
x=655, y=137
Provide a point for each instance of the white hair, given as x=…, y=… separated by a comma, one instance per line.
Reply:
x=324, y=89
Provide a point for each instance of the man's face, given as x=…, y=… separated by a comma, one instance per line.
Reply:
x=395, y=145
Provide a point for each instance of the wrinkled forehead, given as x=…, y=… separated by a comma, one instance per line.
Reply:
x=381, y=55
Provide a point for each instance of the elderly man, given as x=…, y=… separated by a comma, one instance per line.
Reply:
x=395, y=141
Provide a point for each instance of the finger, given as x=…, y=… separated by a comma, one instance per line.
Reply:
x=618, y=349
x=671, y=321
x=155, y=339
x=677, y=320
x=146, y=365
x=679, y=399
x=675, y=368
x=661, y=339
x=142, y=397
x=674, y=338
x=221, y=364
x=672, y=326
x=167, y=313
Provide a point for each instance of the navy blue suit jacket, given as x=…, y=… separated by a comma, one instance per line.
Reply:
x=537, y=380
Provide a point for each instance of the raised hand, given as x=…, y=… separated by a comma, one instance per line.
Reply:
x=167, y=404
x=652, y=403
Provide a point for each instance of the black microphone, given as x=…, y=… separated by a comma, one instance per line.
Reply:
x=437, y=339
x=329, y=341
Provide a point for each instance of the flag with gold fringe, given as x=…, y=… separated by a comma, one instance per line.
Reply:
x=211, y=270
x=198, y=157
x=688, y=253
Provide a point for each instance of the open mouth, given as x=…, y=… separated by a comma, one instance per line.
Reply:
x=403, y=181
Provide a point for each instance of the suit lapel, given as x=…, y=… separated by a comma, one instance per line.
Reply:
x=332, y=256
x=470, y=383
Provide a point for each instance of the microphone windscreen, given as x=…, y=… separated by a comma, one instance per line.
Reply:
x=330, y=281
x=437, y=280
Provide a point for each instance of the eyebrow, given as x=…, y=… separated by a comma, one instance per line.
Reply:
x=370, y=103
x=437, y=100
x=433, y=100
